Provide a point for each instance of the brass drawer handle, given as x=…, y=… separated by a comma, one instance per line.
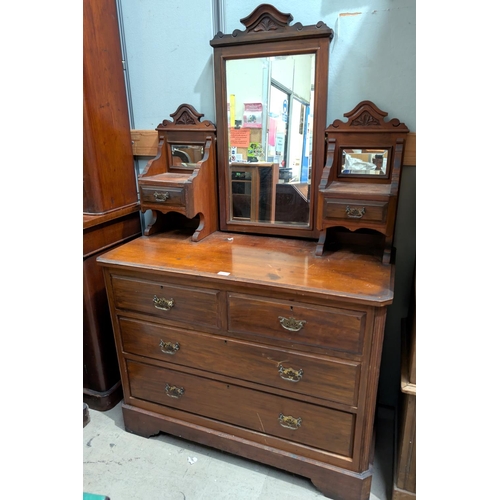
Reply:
x=291, y=324
x=289, y=422
x=161, y=196
x=354, y=213
x=168, y=347
x=163, y=304
x=290, y=374
x=173, y=391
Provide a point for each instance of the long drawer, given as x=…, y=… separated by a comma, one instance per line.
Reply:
x=192, y=307
x=299, y=422
x=300, y=324
x=319, y=377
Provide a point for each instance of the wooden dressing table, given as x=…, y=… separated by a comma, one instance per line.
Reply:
x=249, y=340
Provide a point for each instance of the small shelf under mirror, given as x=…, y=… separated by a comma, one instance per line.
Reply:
x=359, y=187
x=181, y=179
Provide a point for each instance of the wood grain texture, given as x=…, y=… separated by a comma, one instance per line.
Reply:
x=277, y=263
x=227, y=348
x=108, y=162
x=322, y=377
x=189, y=189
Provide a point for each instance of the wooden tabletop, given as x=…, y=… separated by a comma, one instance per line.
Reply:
x=271, y=261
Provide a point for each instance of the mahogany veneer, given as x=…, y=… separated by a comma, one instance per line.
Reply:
x=188, y=189
x=358, y=201
x=255, y=346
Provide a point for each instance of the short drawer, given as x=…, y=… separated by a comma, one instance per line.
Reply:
x=352, y=210
x=299, y=422
x=299, y=324
x=318, y=377
x=163, y=195
x=193, y=307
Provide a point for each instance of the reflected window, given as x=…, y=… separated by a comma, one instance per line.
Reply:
x=269, y=102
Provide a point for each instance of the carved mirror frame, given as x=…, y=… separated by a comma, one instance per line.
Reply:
x=269, y=33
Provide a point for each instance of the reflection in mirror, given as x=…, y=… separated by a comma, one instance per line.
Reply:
x=184, y=155
x=364, y=161
x=270, y=102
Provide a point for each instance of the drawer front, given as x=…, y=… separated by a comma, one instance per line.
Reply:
x=193, y=307
x=299, y=324
x=332, y=380
x=163, y=195
x=299, y=422
x=353, y=210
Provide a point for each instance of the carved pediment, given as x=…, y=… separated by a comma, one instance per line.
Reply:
x=266, y=21
x=266, y=18
x=186, y=115
x=368, y=116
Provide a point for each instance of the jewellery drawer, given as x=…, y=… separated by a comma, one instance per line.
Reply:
x=300, y=324
x=163, y=195
x=299, y=422
x=352, y=210
x=324, y=378
x=174, y=304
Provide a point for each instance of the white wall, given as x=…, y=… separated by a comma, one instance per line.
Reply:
x=372, y=56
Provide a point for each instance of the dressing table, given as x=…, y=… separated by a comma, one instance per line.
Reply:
x=246, y=340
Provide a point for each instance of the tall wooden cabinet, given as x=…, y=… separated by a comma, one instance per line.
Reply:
x=110, y=203
x=405, y=480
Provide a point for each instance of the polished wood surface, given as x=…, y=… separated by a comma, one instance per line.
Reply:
x=254, y=345
x=279, y=263
x=101, y=377
x=110, y=203
x=108, y=162
x=167, y=186
x=361, y=202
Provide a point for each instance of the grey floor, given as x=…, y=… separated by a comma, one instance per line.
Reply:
x=124, y=466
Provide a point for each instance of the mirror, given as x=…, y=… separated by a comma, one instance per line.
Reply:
x=271, y=86
x=364, y=162
x=270, y=135
x=186, y=155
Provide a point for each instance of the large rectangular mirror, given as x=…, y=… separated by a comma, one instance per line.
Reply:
x=271, y=86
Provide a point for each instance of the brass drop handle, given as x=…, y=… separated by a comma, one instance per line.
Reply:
x=161, y=196
x=173, y=391
x=163, y=304
x=354, y=213
x=290, y=374
x=291, y=324
x=169, y=347
x=289, y=422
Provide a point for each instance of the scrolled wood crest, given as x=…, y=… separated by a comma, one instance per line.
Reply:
x=368, y=115
x=266, y=18
x=186, y=116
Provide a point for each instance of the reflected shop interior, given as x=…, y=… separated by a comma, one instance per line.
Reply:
x=270, y=106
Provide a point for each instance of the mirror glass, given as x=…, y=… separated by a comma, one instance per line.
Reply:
x=270, y=103
x=185, y=155
x=364, y=161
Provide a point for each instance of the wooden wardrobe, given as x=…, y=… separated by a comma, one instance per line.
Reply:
x=110, y=202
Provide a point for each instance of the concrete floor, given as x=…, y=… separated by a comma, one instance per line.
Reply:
x=124, y=466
